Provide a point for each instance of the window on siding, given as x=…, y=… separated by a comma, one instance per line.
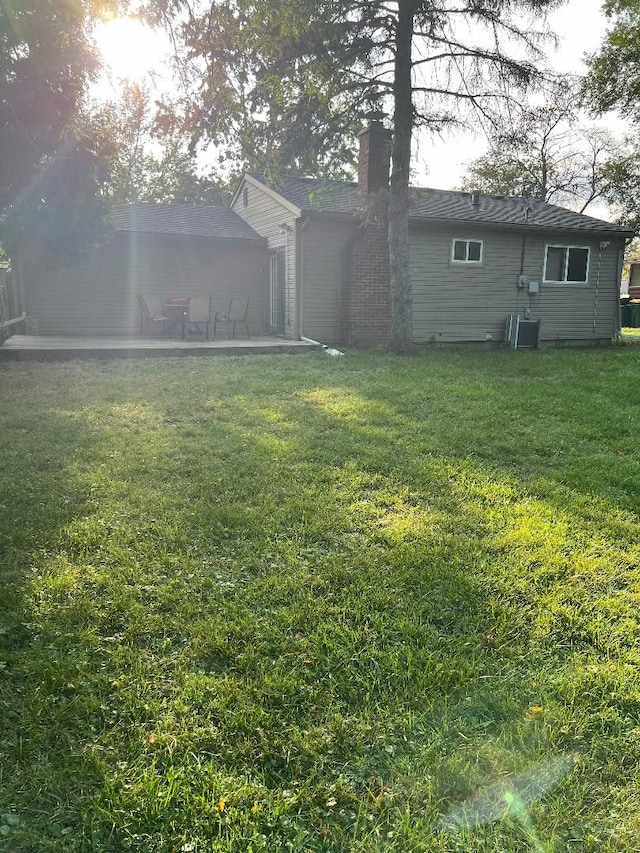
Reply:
x=566, y=264
x=245, y=197
x=466, y=251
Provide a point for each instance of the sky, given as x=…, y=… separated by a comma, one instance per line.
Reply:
x=441, y=164
x=134, y=51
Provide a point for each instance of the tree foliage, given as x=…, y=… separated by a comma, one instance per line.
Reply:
x=613, y=83
x=52, y=163
x=150, y=163
x=622, y=174
x=614, y=77
x=287, y=84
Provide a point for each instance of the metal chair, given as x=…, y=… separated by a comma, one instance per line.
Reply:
x=198, y=317
x=149, y=320
x=237, y=313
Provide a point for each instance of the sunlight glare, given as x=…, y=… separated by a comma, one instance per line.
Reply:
x=130, y=49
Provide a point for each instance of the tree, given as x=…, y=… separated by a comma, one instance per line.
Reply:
x=614, y=71
x=622, y=174
x=52, y=165
x=150, y=159
x=242, y=95
x=294, y=80
x=543, y=151
x=613, y=82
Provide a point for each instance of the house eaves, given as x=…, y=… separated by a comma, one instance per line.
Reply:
x=525, y=227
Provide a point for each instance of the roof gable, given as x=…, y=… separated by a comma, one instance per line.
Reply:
x=259, y=181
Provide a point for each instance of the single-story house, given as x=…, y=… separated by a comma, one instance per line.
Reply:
x=312, y=255
x=476, y=259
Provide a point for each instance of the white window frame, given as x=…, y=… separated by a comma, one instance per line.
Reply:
x=466, y=261
x=564, y=282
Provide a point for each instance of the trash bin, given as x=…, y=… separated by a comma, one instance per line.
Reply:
x=625, y=315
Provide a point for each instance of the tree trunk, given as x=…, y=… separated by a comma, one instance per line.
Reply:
x=400, y=270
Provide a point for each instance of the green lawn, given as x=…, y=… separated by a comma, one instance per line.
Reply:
x=321, y=604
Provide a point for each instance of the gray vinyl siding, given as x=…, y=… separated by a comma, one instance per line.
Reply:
x=577, y=312
x=324, y=243
x=98, y=296
x=277, y=224
x=456, y=302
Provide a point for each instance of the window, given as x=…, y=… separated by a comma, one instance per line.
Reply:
x=245, y=197
x=466, y=251
x=566, y=264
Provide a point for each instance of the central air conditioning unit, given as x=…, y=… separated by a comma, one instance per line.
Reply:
x=521, y=333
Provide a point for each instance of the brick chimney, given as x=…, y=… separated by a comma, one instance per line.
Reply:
x=366, y=301
x=374, y=158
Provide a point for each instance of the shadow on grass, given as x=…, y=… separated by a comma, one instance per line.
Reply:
x=314, y=608
x=44, y=490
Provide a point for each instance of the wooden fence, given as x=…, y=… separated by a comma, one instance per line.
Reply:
x=9, y=319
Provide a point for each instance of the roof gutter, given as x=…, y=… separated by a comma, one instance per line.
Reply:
x=332, y=214
x=515, y=226
x=257, y=239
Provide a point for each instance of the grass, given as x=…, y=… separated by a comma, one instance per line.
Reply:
x=314, y=604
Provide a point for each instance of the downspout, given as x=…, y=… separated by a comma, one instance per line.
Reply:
x=619, y=267
x=523, y=253
x=329, y=350
x=287, y=265
x=13, y=321
x=604, y=244
x=300, y=226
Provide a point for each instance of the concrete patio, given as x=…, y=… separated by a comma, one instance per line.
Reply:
x=45, y=347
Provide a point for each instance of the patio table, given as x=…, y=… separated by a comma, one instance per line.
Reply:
x=176, y=312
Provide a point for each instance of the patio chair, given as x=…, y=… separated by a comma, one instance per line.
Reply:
x=237, y=314
x=198, y=317
x=154, y=322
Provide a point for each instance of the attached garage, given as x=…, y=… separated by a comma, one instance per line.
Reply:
x=156, y=251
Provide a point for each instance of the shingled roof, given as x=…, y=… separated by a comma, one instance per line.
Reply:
x=188, y=220
x=326, y=196
x=315, y=194
x=448, y=205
